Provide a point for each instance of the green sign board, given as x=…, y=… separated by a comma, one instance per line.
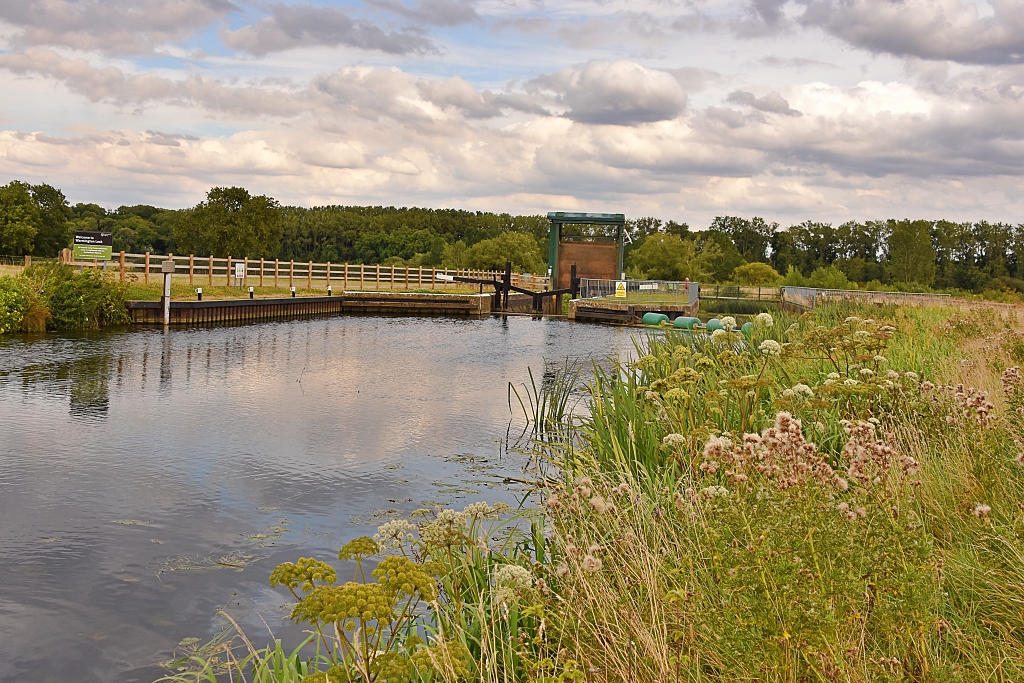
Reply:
x=93, y=246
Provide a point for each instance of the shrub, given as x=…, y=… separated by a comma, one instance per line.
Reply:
x=14, y=298
x=88, y=300
x=756, y=275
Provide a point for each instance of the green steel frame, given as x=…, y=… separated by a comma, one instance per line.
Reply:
x=559, y=218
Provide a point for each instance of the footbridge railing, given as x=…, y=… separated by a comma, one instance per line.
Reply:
x=640, y=291
x=809, y=297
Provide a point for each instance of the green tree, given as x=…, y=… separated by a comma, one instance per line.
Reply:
x=667, y=257
x=519, y=248
x=231, y=222
x=751, y=237
x=794, y=278
x=20, y=220
x=727, y=256
x=755, y=275
x=455, y=256
x=54, y=231
x=911, y=255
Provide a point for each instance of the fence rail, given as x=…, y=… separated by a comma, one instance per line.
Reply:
x=213, y=271
x=6, y=260
x=646, y=291
x=809, y=297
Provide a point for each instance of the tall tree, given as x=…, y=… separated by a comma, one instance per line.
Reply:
x=666, y=257
x=231, y=222
x=911, y=254
x=727, y=257
x=751, y=237
x=20, y=220
x=54, y=231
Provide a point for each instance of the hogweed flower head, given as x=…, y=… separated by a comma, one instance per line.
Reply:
x=764, y=319
x=513, y=575
x=391, y=535
x=770, y=347
x=729, y=323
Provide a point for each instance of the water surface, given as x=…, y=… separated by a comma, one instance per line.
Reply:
x=150, y=478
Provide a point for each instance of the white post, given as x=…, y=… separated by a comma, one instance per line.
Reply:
x=167, y=268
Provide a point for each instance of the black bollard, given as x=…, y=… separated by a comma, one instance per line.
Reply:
x=328, y=290
x=251, y=296
x=293, y=292
x=199, y=293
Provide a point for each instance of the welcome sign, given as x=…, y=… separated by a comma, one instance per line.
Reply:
x=98, y=246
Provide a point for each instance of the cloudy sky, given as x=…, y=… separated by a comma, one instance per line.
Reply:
x=684, y=109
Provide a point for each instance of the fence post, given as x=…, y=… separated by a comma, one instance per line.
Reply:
x=122, y=266
x=328, y=273
x=227, y=273
x=344, y=277
x=392, y=282
x=209, y=271
x=277, y=267
x=261, y=271
x=245, y=272
x=309, y=276
x=291, y=274
x=191, y=267
x=147, y=268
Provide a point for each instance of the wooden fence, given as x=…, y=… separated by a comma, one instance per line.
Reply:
x=220, y=272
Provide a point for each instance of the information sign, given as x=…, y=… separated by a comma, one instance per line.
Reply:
x=620, y=290
x=239, y=270
x=98, y=246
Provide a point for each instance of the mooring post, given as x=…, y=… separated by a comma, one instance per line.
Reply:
x=508, y=281
x=574, y=282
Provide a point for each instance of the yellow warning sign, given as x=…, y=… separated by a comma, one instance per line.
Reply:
x=620, y=290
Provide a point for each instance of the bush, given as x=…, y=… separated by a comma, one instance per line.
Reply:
x=88, y=300
x=830, y=278
x=756, y=275
x=54, y=296
x=13, y=303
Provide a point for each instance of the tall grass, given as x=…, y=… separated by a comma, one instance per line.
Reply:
x=837, y=496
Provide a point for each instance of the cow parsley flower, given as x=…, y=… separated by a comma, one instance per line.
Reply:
x=764, y=319
x=729, y=322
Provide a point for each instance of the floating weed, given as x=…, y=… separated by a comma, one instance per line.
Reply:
x=237, y=560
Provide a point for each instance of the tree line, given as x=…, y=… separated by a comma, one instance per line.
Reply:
x=901, y=253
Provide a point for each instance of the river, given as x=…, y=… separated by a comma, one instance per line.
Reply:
x=149, y=479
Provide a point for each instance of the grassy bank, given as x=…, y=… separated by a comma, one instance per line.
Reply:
x=838, y=497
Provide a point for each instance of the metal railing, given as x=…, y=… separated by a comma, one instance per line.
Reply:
x=809, y=297
x=640, y=291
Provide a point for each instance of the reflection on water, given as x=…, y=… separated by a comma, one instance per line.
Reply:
x=148, y=479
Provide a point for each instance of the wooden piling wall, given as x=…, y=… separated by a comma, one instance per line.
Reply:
x=252, y=310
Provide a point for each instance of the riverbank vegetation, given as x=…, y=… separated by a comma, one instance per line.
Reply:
x=979, y=258
x=56, y=297
x=838, y=496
